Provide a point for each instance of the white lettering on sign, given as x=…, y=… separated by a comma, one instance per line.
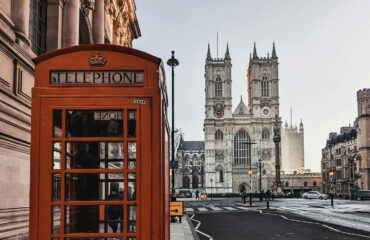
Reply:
x=96, y=77
x=139, y=101
x=108, y=115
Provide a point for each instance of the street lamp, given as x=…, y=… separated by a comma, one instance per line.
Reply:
x=173, y=62
x=211, y=187
x=260, y=179
x=331, y=174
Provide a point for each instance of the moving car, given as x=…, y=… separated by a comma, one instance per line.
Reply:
x=314, y=195
x=362, y=194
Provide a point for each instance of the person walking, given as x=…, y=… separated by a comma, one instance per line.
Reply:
x=197, y=194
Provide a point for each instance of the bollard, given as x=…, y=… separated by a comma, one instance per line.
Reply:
x=332, y=200
x=250, y=199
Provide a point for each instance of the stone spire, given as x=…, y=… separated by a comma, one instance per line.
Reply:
x=227, y=54
x=209, y=53
x=274, y=56
x=255, y=52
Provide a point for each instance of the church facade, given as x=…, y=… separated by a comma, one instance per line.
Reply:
x=239, y=142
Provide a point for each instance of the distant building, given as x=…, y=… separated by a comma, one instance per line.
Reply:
x=29, y=28
x=292, y=149
x=188, y=175
x=347, y=154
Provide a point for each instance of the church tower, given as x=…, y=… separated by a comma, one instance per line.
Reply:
x=263, y=85
x=218, y=111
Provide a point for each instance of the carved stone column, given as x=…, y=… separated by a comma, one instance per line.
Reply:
x=71, y=23
x=20, y=14
x=98, y=21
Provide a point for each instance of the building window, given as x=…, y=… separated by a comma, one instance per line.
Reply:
x=264, y=87
x=286, y=184
x=242, y=150
x=195, y=183
x=339, y=162
x=218, y=89
x=305, y=184
x=195, y=160
x=314, y=184
x=265, y=134
x=37, y=26
x=187, y=160
x=221, y=175
x=186, y=182
x=219, y=135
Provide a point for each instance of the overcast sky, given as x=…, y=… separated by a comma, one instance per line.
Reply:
x=323, y=48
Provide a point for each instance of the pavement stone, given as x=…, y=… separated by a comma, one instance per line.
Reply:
x=181, y=231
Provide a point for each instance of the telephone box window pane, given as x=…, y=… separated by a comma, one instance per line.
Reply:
x=131, y=195
x=131, y=155
x=55, y=214
x=131, y=221
x=56, y=187
x=131, y=238
x=93, y=219
x=131, y=123
x=57, y=149
x=57, y=123
x=94, y=123
x=93, y=186
x=94, y=155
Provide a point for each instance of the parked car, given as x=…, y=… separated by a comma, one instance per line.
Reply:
x=362, y=194
x=314, y=195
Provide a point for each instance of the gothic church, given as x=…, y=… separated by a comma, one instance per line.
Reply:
x=236, y=141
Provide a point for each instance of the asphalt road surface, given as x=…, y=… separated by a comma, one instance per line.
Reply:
x=268, y=224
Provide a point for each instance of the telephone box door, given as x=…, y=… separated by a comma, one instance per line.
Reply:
x=91, y=180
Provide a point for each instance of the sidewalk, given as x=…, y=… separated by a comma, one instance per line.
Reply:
x=182, y=231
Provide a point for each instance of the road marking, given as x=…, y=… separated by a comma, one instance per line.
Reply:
x=243, y=208
x=196, y=228
x=324, y=225
x=189, y=210
x=229, y=208
x=202, y=209
x=216, y=208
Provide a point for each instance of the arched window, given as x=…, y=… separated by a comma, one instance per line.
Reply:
x=286, y=184
x=314, y=184
x=195, y=160
x=195, y=183
x=218, y=87
x=186, y=160
x=305, y=184
x=242, y=151
x=186, y=182
x=221, y=175
x=219, y=135
x=265, y=87
x=265, y=134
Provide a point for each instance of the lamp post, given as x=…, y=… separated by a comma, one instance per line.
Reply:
x=211, y=187
x=277, y=139
x=331, y=174
x=352, y=163
x=260, y=178
x=173, y=62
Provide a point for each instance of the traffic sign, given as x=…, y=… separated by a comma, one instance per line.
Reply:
x=176, y=209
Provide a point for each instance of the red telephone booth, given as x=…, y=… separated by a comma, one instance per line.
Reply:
x=99, y=148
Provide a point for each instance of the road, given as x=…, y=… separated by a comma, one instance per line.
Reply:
x=287, y=219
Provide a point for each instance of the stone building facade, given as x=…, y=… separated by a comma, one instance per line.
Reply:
x=347, y=154
x=29, y=28
x=189, y=174
x=292, y=149
x=236, y=140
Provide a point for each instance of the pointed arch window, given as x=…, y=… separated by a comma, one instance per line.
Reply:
x=186, y=182
x=219, y=135
x=265, y=88
x=265, y=134
x=218, y=87
x=242, y=151
x=221, y=175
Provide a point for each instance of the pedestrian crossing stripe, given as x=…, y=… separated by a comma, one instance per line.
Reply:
x=216, y=208
x=202, y=209
x=243, y=208
x=189, y=210
x=229, y=208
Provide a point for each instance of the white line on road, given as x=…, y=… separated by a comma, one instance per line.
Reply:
x=243, y=208
x=196, y=228
x=216, y=208
x=202, y=209
x=334, y=229
x=189, y=210
x=229, y=208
